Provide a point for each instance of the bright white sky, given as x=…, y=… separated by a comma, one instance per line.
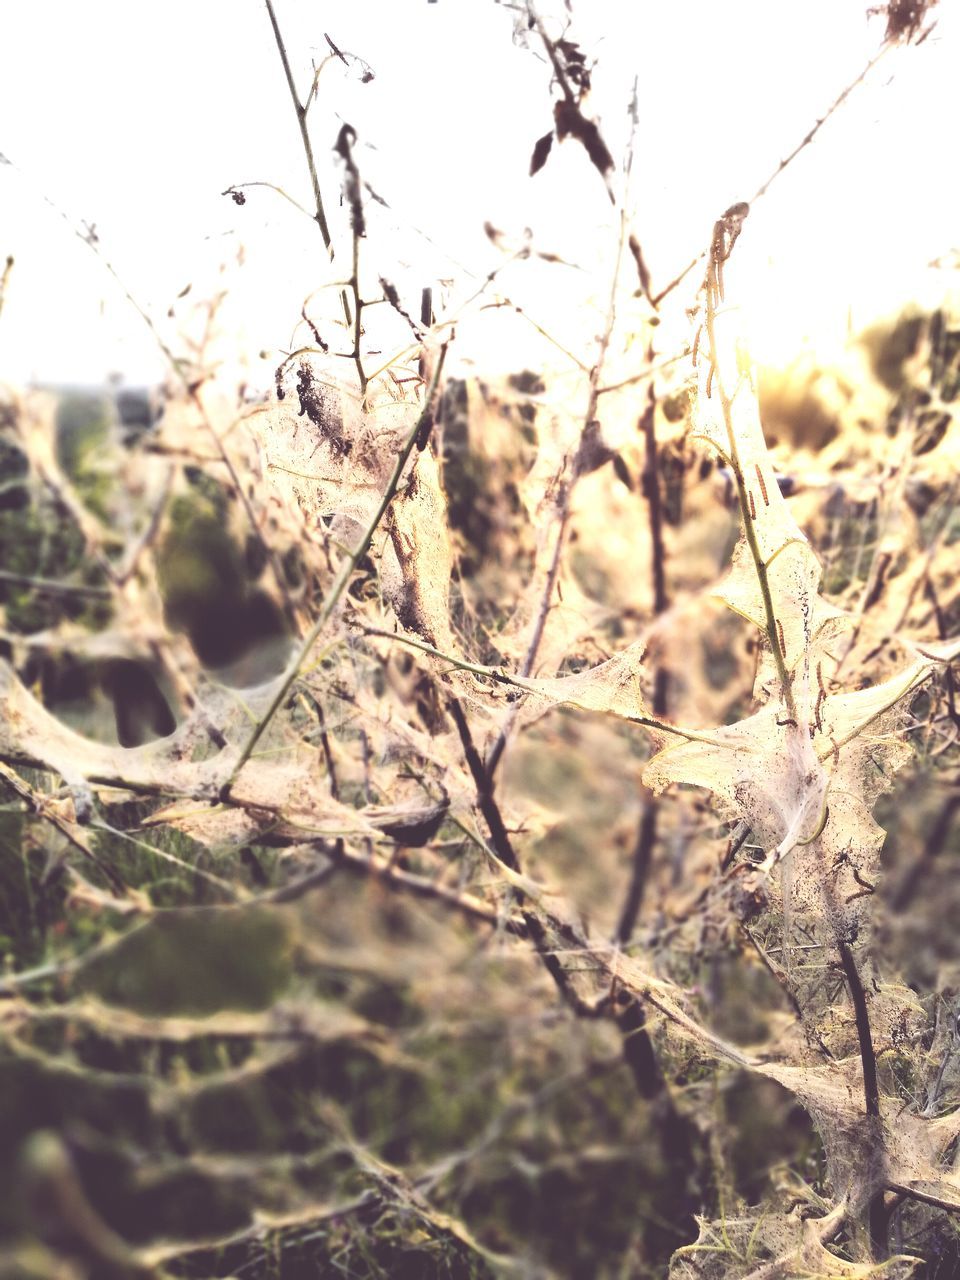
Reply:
x=135, y=117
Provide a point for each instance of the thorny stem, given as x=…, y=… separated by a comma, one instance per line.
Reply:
x=340, y=584
x=750, y=533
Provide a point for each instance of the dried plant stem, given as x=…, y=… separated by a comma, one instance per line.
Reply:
x=503, y=848
x=301, y=109
x=319, y=215
x=765, y=186
x=651, y=491
x=357, y=310
x=640, y=867
x=750, y=533
x=271, y=186
x=628, y=1013
x=646, y=376
x=876, y=1213
x=339, y=586
x=484, y=787
x=385, y=869
x=550, y=48
x=647, y=833
x=924, y=1197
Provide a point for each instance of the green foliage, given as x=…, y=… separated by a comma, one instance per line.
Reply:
x=196, y=964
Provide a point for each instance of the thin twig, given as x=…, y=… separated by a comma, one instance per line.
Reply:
x=925, y=1197
x=301, y=109
x=319, y=215
x=484, y=787
x=272, y=186
x=765, y=186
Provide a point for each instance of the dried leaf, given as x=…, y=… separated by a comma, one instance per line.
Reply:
x=540, y=152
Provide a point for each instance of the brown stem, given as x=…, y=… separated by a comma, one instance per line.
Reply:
x=357, y=309
x=876, y=1213
x=647, y=833
x=771, y=626
x=484, y=787
x=320, y=216
x=642, y=857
